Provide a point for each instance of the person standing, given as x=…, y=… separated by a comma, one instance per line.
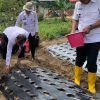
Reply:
x=29, y=21
x=86, y=18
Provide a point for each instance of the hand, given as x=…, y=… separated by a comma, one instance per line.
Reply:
x=68, y=34
x=18, y=61
x=7, y=69
x=37, y=37
x=18, y=52
x=86, y=29
x=36, y=34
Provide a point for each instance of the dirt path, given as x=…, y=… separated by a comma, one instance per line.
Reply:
x=44, y=59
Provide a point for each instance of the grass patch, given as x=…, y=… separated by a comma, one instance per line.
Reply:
x=52, y=28
x=49, y=28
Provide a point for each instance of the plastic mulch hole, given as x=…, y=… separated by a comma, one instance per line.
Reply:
x=32, y=71
x=70, y=95
x=56, y=77
x=44, y=71
x=31, y=94
x=72, y=87
x=60, y=89
x=52, y=84
x=50, y=74
x=46, y=80
x=39, y=88
x=19, y=85
x=46, y=93
x=31, y=81
x=53, y=99
x=26, y=90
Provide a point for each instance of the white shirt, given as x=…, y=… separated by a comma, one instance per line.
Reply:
x=88, y=14
x=12, y=33
x=29, y=22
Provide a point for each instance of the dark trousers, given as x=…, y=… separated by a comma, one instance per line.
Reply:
x=16, y=48
x=32, y=45
x=3, y=49
x=88, y=52
x=3, y=52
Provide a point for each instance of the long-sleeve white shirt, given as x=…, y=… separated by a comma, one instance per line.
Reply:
x=28, y=22
x=12, y=33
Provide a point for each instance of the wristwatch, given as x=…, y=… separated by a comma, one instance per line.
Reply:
x=90, y=27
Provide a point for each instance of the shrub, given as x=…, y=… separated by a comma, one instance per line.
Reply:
x=52, y=28
x=40, y=17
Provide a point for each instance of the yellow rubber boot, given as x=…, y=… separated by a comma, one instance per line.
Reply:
x=91, y=82
x=77, y=74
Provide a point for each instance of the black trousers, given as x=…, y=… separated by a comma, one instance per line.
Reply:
x=88, y=52
x=3, y=49
x=16, y=48
x=32, y=43
x=22, y=53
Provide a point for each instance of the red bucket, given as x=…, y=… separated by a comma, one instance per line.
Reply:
x=73, y=1
x=27, y=46
x=76, y=39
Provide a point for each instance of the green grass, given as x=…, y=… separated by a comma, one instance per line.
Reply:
x=52, y=28
x=49, y=28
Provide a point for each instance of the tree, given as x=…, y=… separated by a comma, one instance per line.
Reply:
x=64, y=5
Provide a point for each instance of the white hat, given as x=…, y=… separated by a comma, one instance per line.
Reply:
x=28, y=6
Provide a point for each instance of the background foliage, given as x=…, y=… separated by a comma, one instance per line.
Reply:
x=48, y=29
x=9, y=10
x=53, y=27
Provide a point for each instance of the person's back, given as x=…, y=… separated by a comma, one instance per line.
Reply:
x=13, y=31
x=15, y=35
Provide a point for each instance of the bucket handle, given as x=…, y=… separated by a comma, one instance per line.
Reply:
x=73, y=33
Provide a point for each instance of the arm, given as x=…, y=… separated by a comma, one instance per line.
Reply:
x=8, y=55
x=95, y=25
x=74, y=26
x=75, y=18
x=36, y=24
x=18, y=22
x=92, y=26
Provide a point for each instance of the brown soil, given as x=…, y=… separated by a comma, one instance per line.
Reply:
x=45, y=59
